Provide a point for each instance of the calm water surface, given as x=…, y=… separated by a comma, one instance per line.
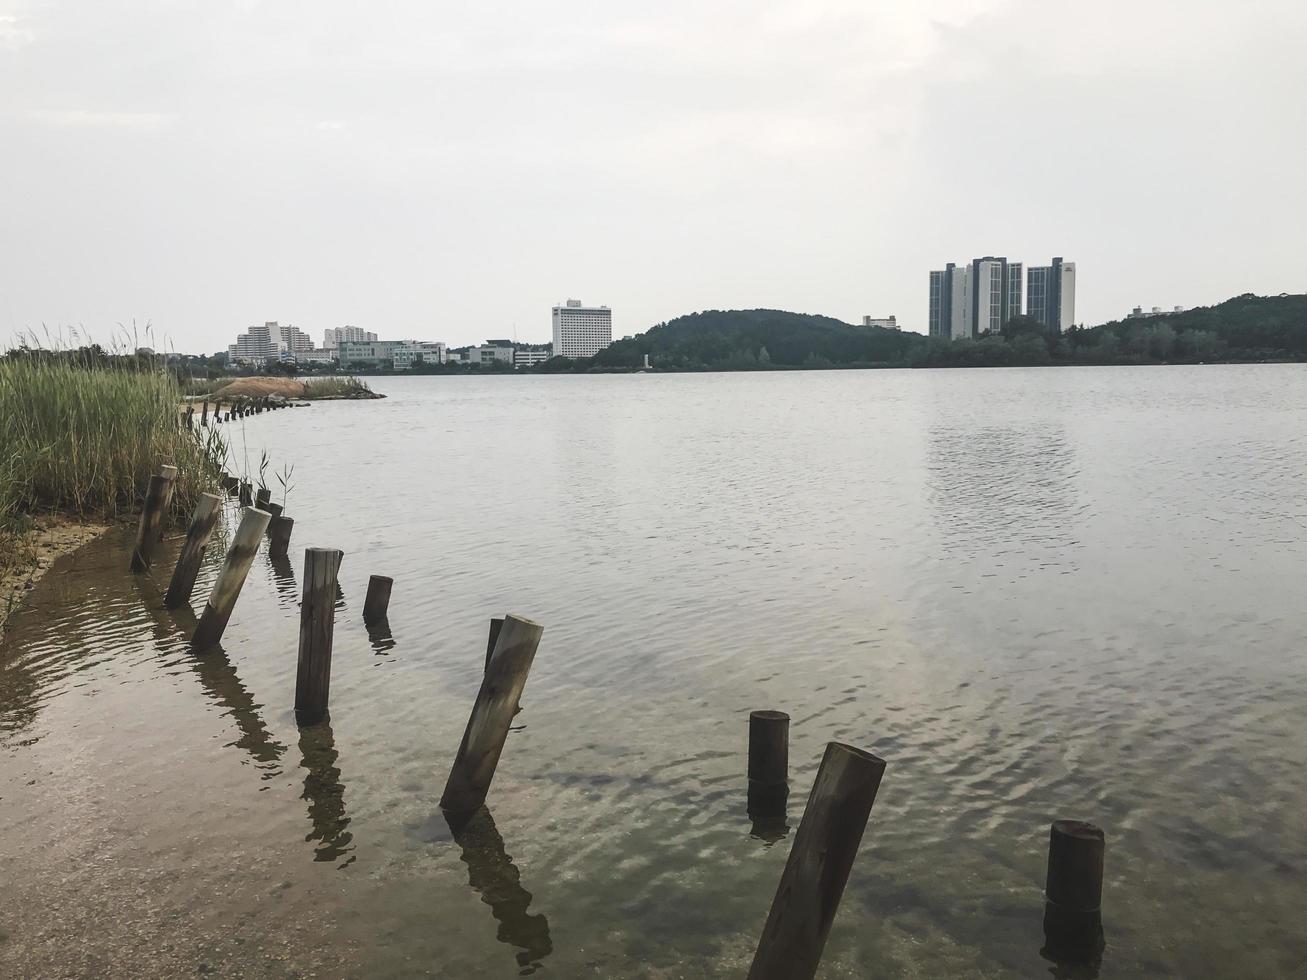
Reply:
x=1035, y=593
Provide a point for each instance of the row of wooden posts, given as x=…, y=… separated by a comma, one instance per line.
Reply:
x=238, y=409
x=834, y=818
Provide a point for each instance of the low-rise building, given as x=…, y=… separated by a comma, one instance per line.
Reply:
x=888, y=322
x=492, y=351
x=1139, y=313
x=369, y=353
x=413, y=352
x=529, y=358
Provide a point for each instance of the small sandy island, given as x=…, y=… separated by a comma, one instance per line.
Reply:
x=317, y=389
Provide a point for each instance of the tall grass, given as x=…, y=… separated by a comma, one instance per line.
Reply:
x=83, y=437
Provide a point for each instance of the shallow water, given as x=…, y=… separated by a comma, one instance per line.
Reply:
x=1035, y=593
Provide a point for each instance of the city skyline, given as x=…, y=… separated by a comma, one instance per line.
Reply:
x=472, y=168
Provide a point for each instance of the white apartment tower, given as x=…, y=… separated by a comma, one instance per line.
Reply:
x=269, y=342
x=332, y=336
x=581, y=331
x=1051, y=297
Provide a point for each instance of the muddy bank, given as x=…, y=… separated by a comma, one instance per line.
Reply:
x=52, y=538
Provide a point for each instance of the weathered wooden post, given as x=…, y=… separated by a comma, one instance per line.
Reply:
x=496, y=624
x=1073, y=892
x=819, y=864
x=273, y=509
x=190, y=416
x=247, y=494
x=279, y=529
x=151, y=526
x=317, y=623
x=188, y=562
x=232, y=485
x=204, y=413
x=769, y=764
x=487, y=726
x=377, y=602
x=213, y=621
x=262, y=498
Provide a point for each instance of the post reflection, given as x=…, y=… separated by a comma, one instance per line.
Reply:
x=283, y=578
x=219, y=678
x=380, y=638
x=492, y=874
x=325, y=794
x=768, y=812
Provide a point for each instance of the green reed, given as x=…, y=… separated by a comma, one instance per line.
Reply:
x=82, y=436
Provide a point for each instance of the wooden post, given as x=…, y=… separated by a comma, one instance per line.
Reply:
x=487, y=726
x=213, y=621
x=377, y=602
x=496, y=624
x=317, y=621
x=148, y=532
x=279, y=529
x=190, y=415
x=188, y=562
x=769, y=747
x=263, y=498
x=1073, y=889
x=204, y=413
x=247, y=494
x=232, y=485
x=274, y=509
x=819, y=864
x=769, y=763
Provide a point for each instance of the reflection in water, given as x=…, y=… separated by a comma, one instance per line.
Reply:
x=380, y=638
x=325, y=794
x=767, y=811
x=1007, y=489
x=490, y=871
x=283, y=576
x=219, y=677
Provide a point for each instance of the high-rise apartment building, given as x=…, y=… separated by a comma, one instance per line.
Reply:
x=581, y=331
x=332, y=336
x=995, y=287
x=269, y=342
x=950, y=307
x=1051, y=298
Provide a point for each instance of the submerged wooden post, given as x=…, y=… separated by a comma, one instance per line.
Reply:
x=1073, y=889
x=496, y=624
x=487, y=726
x=317, y=623
x=279, y=529
x=232, y=485
x=188, y=562
x=247, y=494
x=262, y=498
x=769, y=764
x=150, y=528
x=274, y=509
x=204, y=413
x=190, y=416
x=213, y=621
x=819, y=864
x=377, y=602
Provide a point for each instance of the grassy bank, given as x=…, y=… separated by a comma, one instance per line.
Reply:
x=81, y=437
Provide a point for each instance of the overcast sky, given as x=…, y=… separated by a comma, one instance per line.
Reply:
x=449, y=171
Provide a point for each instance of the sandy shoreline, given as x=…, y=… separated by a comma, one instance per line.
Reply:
x=53, y=537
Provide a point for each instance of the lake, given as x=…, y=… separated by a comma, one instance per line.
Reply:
x=1036, y=594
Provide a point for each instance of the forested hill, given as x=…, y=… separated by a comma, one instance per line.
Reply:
x=743, y=339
